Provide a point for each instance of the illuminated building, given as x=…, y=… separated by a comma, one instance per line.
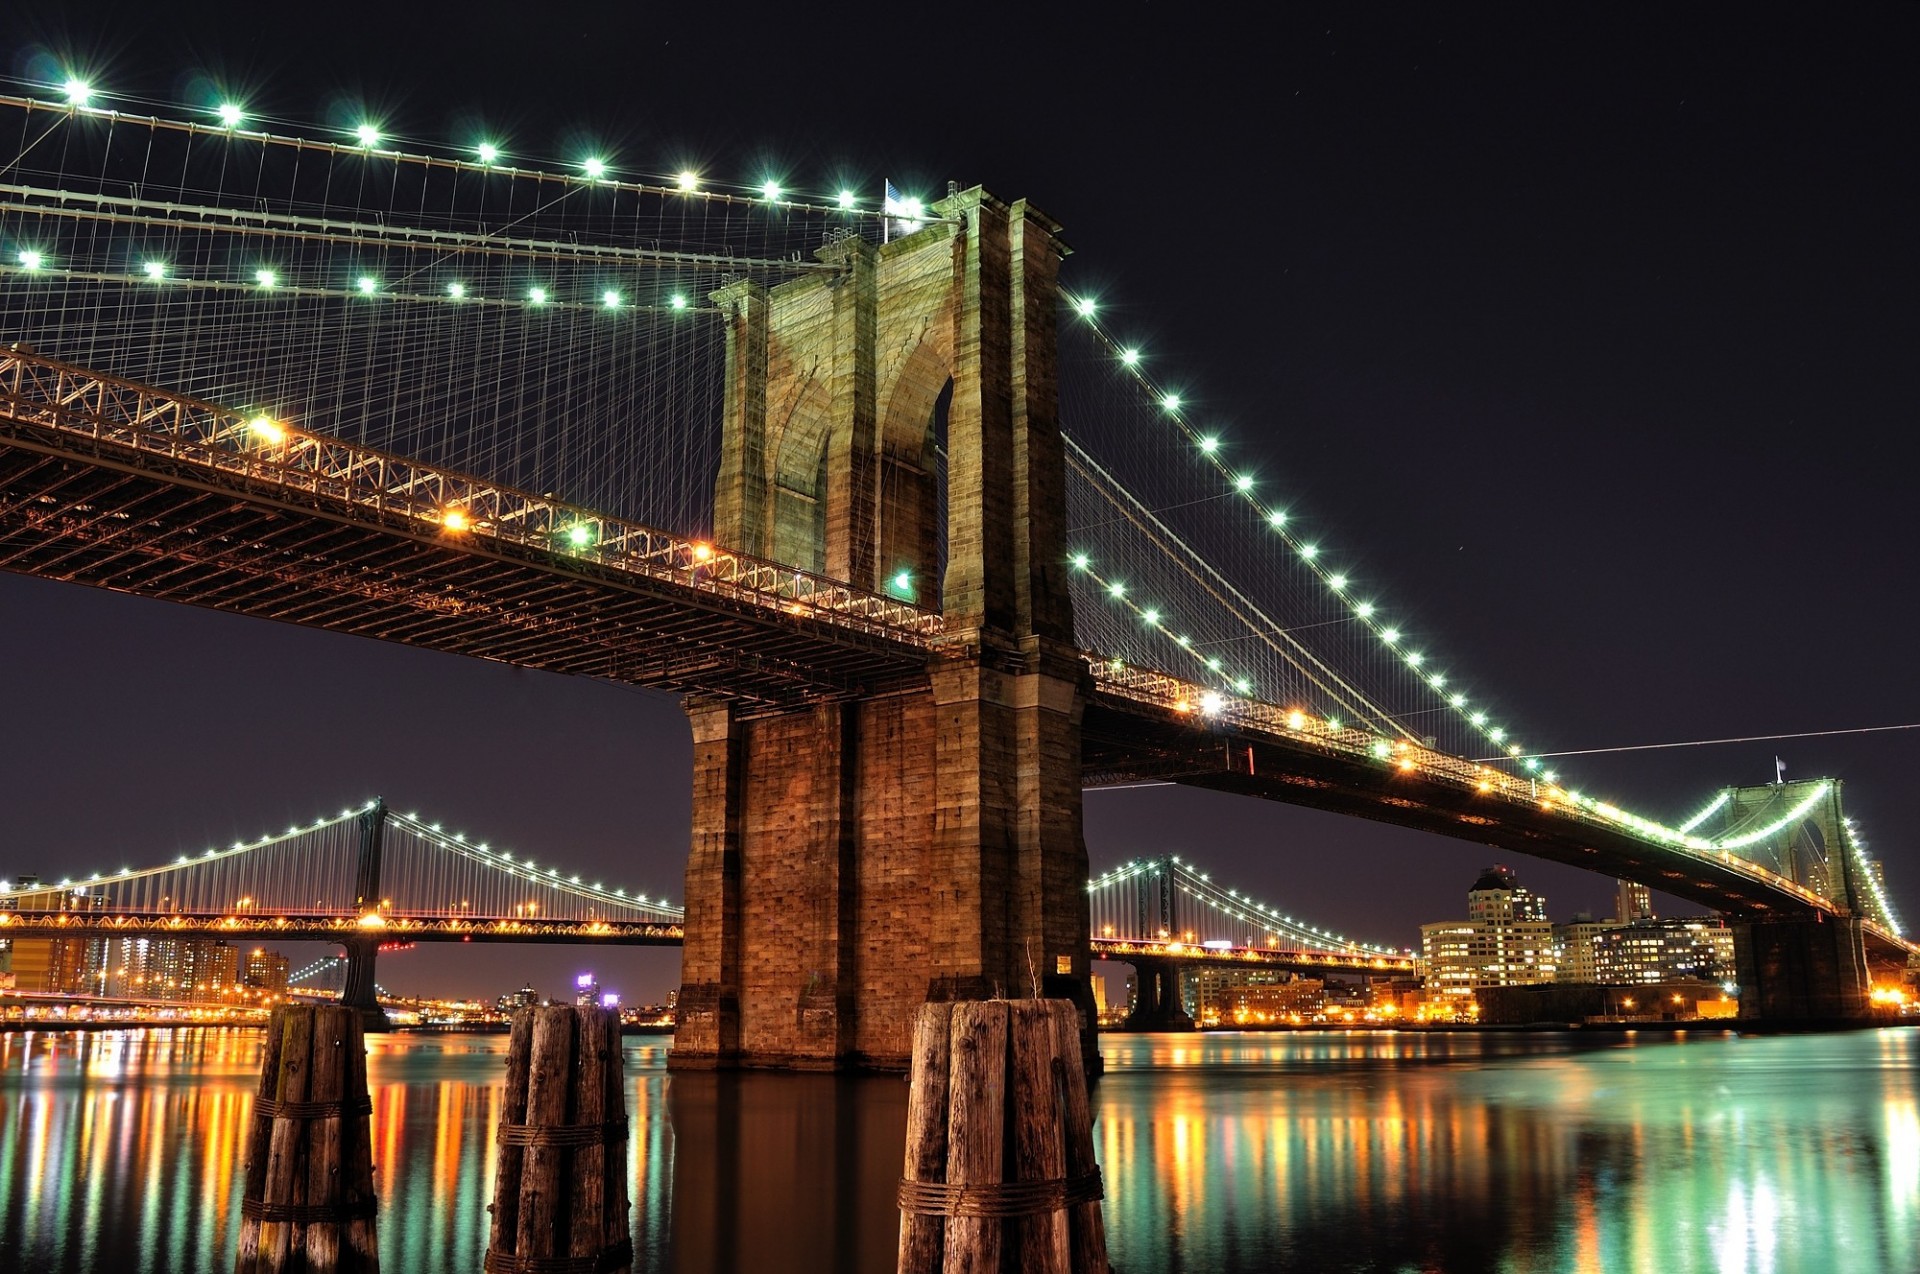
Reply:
x=265, y=971
x=1506, y=940
x=586, y=990
x=1632, y=902
x=1574, y=943
x=1649, y=951
x=525, y=998
x=1223, y=997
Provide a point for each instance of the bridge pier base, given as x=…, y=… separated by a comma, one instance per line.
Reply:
x=1156, y=998
x=359, y=993
x=853, y=861
x=1804, y=972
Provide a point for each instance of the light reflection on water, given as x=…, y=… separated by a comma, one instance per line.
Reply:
x=1302, y=1151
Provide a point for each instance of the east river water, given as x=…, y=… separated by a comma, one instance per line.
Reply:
x=1222, y=1152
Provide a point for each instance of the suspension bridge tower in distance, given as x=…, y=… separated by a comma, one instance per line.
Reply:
x=853, y=859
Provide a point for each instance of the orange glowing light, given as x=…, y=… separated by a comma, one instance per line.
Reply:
x=455, y=520
x=701, y=552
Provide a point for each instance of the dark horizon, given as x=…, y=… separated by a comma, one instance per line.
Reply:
x=1589, y=334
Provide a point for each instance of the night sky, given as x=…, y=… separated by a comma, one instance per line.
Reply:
x=1591, y=332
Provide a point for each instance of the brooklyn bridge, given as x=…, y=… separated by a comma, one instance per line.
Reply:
x=926, y=547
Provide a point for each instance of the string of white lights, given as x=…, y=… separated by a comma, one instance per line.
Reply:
x=231, y=120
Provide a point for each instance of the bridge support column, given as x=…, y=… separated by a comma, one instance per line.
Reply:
x=1802, y=971
x=1156, y=998
x=851, y=860
x=360, y=994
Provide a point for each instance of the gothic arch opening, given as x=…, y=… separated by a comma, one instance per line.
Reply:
x=912, y=548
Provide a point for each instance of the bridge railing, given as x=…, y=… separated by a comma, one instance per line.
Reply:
x=1301, y=730
x=256, y=448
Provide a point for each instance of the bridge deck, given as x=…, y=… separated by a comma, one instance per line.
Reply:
x=334, y=928
x=101, y=484
x=1129, y=738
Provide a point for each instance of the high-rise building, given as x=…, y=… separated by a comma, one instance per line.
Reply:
x=1506, y=939
x=265, y=971
x=1632, y=902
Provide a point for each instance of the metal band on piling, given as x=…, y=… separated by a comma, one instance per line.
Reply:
x=308, y=1213
x=611, y=1133
x=618, y=1256
x=1000, y=1199
x=269, y=1108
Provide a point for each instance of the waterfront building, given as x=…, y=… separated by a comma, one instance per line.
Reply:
x=1225, y=997
x=1652, y=951
x=1506, y=940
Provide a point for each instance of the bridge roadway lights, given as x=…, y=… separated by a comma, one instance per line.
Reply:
x=1809, y=973
x=1156, y=997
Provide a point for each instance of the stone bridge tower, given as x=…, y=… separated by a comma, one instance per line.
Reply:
x=854, y=859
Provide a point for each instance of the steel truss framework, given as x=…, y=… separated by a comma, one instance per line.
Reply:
x=110, y=483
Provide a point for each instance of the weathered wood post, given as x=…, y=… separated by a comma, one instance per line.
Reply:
x=560, y=1167
x=307, y=1203
x=1000, y=1173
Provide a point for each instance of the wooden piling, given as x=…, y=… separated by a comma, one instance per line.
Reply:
x=922, y=1235
x=1086, y=1226
x=307, y=1204
x=560, y=1193
x=999, y=1167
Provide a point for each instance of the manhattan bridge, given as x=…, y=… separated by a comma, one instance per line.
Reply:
x=925, y=544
